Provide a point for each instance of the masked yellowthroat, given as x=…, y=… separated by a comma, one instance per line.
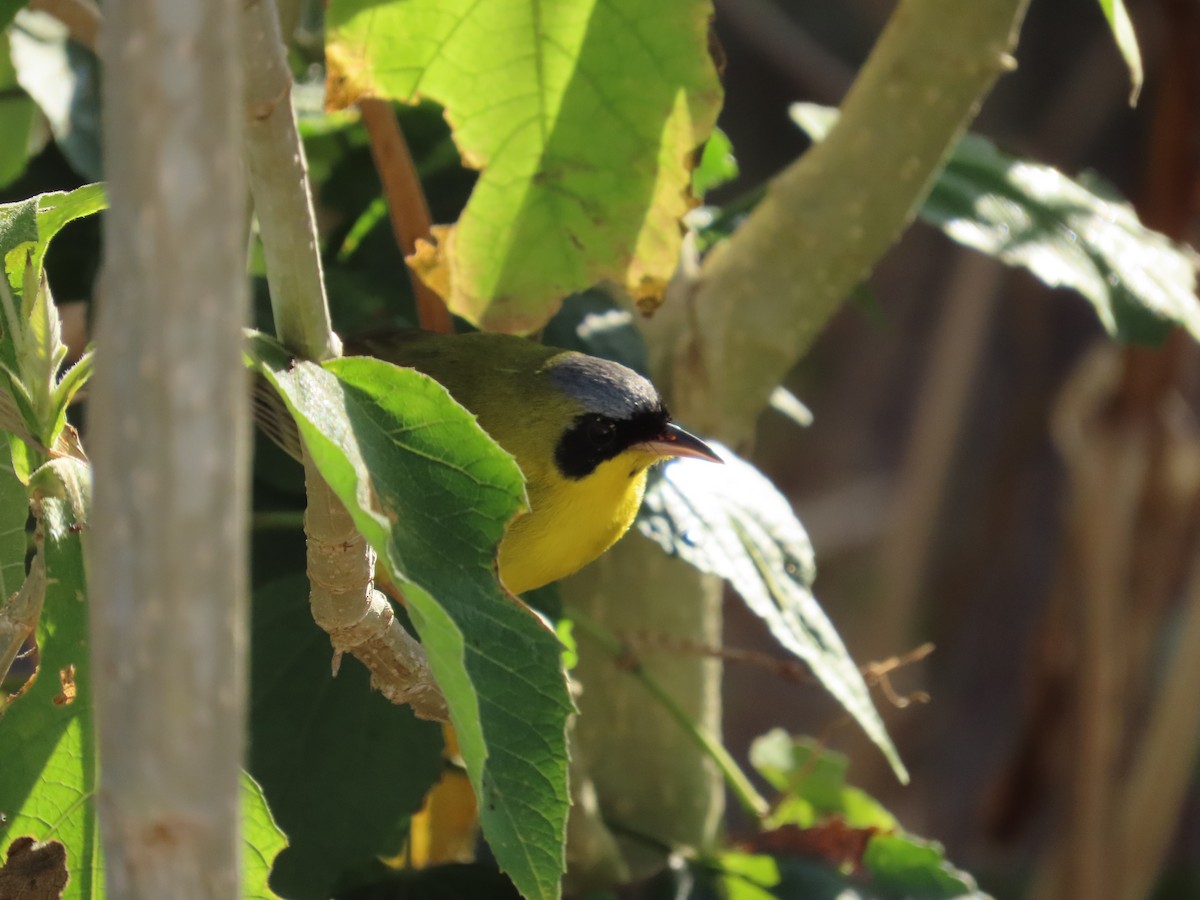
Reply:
x=584, y=431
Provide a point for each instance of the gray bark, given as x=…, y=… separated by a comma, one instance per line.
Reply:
x=169, y=437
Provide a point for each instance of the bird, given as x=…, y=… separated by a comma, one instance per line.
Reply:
x=584, y=431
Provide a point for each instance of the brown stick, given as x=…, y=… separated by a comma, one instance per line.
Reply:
x=407, y=209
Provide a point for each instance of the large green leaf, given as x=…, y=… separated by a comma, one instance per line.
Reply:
x=1069, y=233
x=340, y=765
x=47, y=734
x=432, y=493
x=583, y=116
x=737, y=525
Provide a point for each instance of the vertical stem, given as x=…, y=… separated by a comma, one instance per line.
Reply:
x=407, y=209
x=169, y=438
x=278, y=173
x=763, y=296
x=1157, y=787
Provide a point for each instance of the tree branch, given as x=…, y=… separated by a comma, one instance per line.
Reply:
x=357, y=617
x=761, y=298
x=341, y=567
x=278, y=177
x=168, y=423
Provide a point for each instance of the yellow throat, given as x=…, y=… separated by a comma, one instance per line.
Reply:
x=575, y=521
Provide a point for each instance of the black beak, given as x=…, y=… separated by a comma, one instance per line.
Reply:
x=674, y=441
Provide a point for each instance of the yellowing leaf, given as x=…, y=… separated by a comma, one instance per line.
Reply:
x=584, y=118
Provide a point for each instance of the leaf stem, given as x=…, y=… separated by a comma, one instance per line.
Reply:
x=749, y=798
x=406, y=204
x=277, y=173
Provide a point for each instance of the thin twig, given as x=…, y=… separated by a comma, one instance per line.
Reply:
x=874, y=673
x=407, y=208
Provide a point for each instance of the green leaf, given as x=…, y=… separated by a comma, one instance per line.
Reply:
x=431, y=493
x=814, y=780
x=583, y=118
x=717, y=164
x=748, y=876
x=909, y=870
x=905, y=866
x=339, y=764
x=59, y=208
x=262, y=841
x=29, y=225
x=46, y=743
x=1073, y=234
x=1122, y=29
x=8, y=9
x=31, y=351
x=63, y=78
x=737, y=525
x=40, y=355
x=18, y=236
x=14, y=512
x=18, y=113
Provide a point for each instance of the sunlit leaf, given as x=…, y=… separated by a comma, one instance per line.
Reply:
x=717, y=164
x=1069, y=233
x=734, y=523
x=47, y=735
x=813, y=781
x=63, y=78
x=262, y=841
x=583, y=118
x=28, y=226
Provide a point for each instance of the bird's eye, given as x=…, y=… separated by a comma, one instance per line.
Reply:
x=600, y=433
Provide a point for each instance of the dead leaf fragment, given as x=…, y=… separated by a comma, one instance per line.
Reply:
x=832, y=841
x=431, y=259
x=66, y=677
x=34, y=871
